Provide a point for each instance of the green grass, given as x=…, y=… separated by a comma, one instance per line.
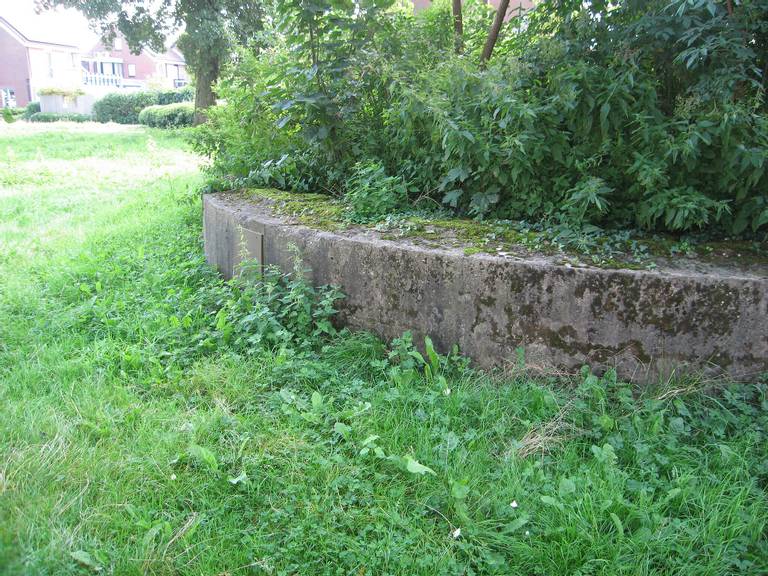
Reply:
x=154, y=420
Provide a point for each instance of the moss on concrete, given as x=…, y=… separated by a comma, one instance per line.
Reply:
x=313, y=210
x=325, y=212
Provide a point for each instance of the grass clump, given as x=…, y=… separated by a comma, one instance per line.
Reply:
x=156, y=420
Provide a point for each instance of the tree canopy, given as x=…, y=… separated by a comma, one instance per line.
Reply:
x=209, y=28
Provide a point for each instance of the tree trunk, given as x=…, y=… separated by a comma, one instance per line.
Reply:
x=493, y=33
x=458, y=27
x=204, y=96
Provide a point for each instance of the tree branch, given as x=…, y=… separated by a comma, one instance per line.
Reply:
x=458, y=27
x=493, y=33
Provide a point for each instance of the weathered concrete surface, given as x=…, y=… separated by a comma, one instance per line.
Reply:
x=646, y=324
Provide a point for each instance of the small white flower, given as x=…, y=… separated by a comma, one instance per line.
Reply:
x=513, y=504
x=447, y=391
x=527, y=533
x=173, y=476
x=456, y=533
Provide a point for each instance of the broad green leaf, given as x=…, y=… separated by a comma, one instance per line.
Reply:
x=415, y=467
x=459, y=490
x=434, y=359
x=566, y=487
x=342, y=429
x=550, y=501
x=204, y=456
x=618, y=524
x=517, y=523
x=149, y=537
x=85, y=559
x=370, y=439
x=241, y=478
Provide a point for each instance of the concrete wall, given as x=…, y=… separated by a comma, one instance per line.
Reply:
x=647, y=324
x=61, y=105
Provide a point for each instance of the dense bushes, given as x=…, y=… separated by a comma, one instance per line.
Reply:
x=55, y=117
x=647, y=115
x=577, y=140
x=186, y=94
x=122, y=108
x=32, y=108
x=125, y=108
x=168, y=115
x=10, y=115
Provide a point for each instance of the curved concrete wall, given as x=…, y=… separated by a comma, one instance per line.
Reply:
x=646, y=324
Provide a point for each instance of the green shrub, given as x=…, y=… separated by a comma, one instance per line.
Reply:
x=8, y=116
x=588, y=116
x=243, y=134
x=168, y=115
x=56, y=117
x=125, y=108
x=371, y=193
x=17, y=112
x=32, y=108
x=577, y=141
x=186, y=94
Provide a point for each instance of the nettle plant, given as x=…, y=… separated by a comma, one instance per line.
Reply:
x=641, y=114
x=590, y=127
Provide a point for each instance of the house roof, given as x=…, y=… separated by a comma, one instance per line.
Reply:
x=172, y=54
x=64, y=28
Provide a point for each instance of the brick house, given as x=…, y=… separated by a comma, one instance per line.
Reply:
x=41, y=51
x=30, y=63
x=149, y=69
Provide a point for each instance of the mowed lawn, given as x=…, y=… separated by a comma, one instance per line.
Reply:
x=139, y=436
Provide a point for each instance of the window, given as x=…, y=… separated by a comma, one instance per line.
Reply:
x=118, y=45
x=131, y=70
x=7, y=98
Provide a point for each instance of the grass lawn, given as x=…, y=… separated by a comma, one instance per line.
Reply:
x=154, y=420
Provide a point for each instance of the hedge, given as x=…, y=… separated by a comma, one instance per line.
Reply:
x=125, y=108
x=31, y=109
x=186, y=94
x=55, y=117
x=168, y=116
x=13, y=114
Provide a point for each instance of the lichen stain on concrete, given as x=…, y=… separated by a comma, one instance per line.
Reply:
x=644, y=323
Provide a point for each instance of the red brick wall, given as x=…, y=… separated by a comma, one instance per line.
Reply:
x=145, y=66
x=14, y=68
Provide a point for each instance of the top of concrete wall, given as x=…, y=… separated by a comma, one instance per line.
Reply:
x=724, y=261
